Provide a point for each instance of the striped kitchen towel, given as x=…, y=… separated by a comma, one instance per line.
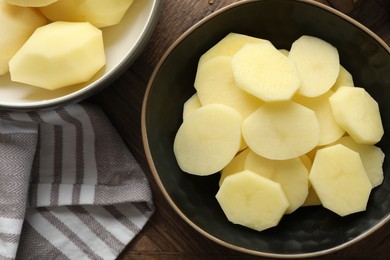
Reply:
x=69, y=187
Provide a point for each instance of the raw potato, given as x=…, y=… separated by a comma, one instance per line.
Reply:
x=340, y=180
x=330, y=130
x=281, y=130
x=312, y=198
x=344, y=79
x=215, y=83
x=358, y=113
x=51, y=58
x=372, y=158
x=292, y=175
x=201, y=150
x=318, y=65
x=229, y=45
x=266, y=73
x=16, y=26
x=251, y=200
x=100, y=13
x=190, y=105
x=30, y=3
x=235, y=165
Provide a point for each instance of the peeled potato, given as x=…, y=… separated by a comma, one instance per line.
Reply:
x=215, y=83
x=100, y=13
x=16, y=26
x=208, y=139
x=229, y=45
x=30, y=3
x=251, y=200
x=340, y=180
x=330, y=130
x=291, y=174
x=372, y=158
x=190, y=105
x=318, y=65
x=263, y=71
x=52, y=58
x=312, y=198
x=281, y=130
x=358, y=113
x=235, y=165
x=343, y=79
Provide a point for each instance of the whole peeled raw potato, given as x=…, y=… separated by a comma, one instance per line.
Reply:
x=100, y=13
x=16, y=25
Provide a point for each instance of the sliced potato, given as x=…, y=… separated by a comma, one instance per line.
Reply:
x=291, y=174
x=312, y=198
x=235, y=165
x=208, y=139
x=358, y=113
x=266, y=73
x=340, y=180
x=330, y=130
x=250, y=200
x=190, y=105
x=343, y=79
x=318, y=65
x=281, y=130
x=214, y=83
x=372, y=158
x=30, y=3
x=52, y=59
x=229, y=45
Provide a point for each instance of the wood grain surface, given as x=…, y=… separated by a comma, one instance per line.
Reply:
x=167, y=236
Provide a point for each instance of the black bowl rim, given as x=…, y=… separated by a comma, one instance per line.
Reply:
x=106, y=79
x=153, y=167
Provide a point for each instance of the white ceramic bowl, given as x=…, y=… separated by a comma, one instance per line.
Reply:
x=123, y=42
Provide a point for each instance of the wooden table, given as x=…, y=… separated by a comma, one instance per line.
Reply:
x=167, y=236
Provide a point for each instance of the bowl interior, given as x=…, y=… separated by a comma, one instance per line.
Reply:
x=122, y=43
x=310, y=230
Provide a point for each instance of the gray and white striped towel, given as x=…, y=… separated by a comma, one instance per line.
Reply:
x=69, y=187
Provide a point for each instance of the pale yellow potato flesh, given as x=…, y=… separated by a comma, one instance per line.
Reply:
x=229, y=45
x=330, y=130
x=358, y=113
x=340, y=180
x=292, y=175
x=215, y=83
x=266, y=73
x=253, y=201
x=16, y=26
x=317, y=63
x=100, y=13
x=312, y=198
x=237, y=164
x=52, y=59
x=208, y=139
x=343, y=79
x=190, y=105
x=281, y=130
x=372, y=158
x=31, y=3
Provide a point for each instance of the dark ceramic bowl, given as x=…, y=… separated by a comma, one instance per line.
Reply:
x=122, y=44
x=309, y=231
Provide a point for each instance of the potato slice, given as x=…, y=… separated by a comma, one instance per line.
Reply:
x=372, y=158
x=340, y=180
x=312, y=198
x=208, y=139
x=281, y=130
x=190, y=105
x=343, y=79
x=100, y=13
x=30, y=3
x=250, y=200
x=235, y=165
x=229, y=45
x=358, y=113
x=215, y=83
x=330, y=130
x=16, y=26
x=52, y=59
x=291, y=174
x=266, y=73
x=318, y=65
